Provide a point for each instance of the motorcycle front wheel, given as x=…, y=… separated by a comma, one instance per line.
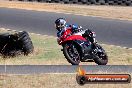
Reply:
x=71, y=53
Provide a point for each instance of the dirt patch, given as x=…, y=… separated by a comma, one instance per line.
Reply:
x=114, y=12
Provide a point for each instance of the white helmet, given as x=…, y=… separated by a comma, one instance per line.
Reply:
x=60, y=23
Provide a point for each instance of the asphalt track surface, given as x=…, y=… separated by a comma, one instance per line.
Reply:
x=108, y=31
x=39, y=69
x=115, y=32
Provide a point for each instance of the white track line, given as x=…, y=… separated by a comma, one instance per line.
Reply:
x=12, y=74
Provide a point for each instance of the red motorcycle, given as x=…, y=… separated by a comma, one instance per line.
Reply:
x=81, y=47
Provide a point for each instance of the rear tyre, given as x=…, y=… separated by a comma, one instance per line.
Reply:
x=71, y=53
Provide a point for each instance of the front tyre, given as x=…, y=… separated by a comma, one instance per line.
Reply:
x=101, y=56
x=71, y=53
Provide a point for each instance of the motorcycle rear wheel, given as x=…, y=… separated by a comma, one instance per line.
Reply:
x=101, y=57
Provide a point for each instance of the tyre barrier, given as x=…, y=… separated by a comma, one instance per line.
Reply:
x=88, y=2
x=14, y=44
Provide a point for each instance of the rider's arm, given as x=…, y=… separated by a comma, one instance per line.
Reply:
x=60, y=33
x=66, y=33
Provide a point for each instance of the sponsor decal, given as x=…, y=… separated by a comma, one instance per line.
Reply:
x=83, y=78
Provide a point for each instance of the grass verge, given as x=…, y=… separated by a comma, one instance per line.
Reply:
x=51, y=81
x=48, y=52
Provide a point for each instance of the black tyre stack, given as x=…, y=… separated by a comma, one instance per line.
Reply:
x=84, y=1
x=111, y=2
x=100, y=2
x=66, y=1
x=128, y=2
x=57, y=1
x=14, y=44
x=79, y=2
x=115, y=2
x=74, y=1
x=25, y=42
x=92, y=1
x=88, y=2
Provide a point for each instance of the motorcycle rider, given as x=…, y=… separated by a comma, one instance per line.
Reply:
x=61, y=27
